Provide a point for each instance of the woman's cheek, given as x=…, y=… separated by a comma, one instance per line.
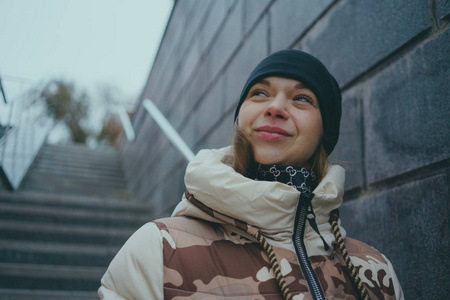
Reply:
x=244, y=119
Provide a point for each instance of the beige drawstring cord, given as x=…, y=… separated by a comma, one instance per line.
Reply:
x=275, y=266
x=334, y=216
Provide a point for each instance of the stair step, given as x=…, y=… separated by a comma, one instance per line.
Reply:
x=63, y=184
x=77, y=171
x=74, y=189
x=74, y=201
x=83, y=151
x=79, y=149
x=68, y=220
x=48, y=161
x=31, y=231
x=79, y=152
x=91, y=180
x=48, y=277
x=62, y=215
x=107, y=163
x=12, y=294
x=72, y=185
x=37, y=252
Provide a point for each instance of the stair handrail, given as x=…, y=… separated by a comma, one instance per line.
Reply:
x=167, y=128
x=26, y=129
x=126, y=122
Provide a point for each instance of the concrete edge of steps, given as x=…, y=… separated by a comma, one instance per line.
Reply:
x=74, y=200
x=71, y=188
x=52, y=165
x=90, y=178
x=51, y=271
x=50, y=277
x=79, y=148
x=66, y=230
x=12, y=294
x=52, y=248
x=55, y=253
x=80, y=214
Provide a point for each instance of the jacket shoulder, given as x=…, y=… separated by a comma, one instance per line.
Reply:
x=358, y=248
x=136, y=270
x=375, y=270
x=182, y=226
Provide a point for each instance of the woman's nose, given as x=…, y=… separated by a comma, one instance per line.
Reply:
x=277, y=108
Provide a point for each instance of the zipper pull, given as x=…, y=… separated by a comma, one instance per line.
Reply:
x=311, y=216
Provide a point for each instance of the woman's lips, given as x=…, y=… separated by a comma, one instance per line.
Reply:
x=271, y=133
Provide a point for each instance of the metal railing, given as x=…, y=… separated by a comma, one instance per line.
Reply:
x=25, y=128
x=163, y=123
x=126, y=123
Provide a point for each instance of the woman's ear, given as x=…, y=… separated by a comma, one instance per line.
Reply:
x=236, y=122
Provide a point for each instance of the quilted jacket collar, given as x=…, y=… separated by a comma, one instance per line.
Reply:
x=267, y=206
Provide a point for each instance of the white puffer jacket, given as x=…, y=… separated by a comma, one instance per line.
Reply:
x=140, y=270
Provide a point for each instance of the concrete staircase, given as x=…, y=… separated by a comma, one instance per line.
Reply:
x=59, y=232
x=76, y=169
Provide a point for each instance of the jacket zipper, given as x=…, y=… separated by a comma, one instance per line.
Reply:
x=302, y=256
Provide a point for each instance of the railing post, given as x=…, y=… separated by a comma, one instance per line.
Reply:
x=126, y=123
x=3, y=91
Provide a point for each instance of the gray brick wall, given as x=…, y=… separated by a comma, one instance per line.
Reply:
x=391, y=61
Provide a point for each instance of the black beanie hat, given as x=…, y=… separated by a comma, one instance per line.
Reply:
x=301, y=66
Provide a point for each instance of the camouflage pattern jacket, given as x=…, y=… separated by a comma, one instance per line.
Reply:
x=207, y=249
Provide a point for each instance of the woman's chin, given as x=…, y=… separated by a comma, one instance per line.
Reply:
x=270, y=160
x=273, y=158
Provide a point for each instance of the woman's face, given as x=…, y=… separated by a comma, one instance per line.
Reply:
x=281, y=118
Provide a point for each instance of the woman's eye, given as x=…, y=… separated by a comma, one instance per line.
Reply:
x=259, y=93
x=303, y=98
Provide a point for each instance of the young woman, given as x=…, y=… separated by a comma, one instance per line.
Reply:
x=259, y=219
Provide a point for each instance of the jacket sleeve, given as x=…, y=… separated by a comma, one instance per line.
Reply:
x=136, y=272
x=397, y=287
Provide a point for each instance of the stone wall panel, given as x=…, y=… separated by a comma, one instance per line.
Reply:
x=355, y=35
x=292, y=18
x=171, y=55
x=252, y=52
x=443, y=8
x=188, y=132
x=227, y=41
x=209, y=111
x=406, y=112
x=211, y=25
x=252, y=12
x=409, y=224
x=172, y=189
x=348, y=151
x=222, y=135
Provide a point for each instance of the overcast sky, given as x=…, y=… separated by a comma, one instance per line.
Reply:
x=89, y=42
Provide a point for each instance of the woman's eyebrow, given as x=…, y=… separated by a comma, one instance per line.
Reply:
x=300, y=86
x=263, y=81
